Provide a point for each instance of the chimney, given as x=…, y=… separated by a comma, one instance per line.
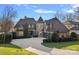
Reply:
x=25, y=17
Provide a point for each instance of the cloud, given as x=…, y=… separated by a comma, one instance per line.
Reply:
x=70, y=11
x=26, y=6
x=75, y=5
x=34, y=6
x=29, y=6
x=44, y=11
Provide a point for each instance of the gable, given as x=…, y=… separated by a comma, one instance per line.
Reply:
x=25, y=22
x=56, y=25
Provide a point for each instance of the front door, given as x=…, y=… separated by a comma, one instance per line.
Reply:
x=41, y=34
x=31, y=33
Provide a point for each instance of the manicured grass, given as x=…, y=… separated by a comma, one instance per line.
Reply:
x=74, y=45
x=10, y=49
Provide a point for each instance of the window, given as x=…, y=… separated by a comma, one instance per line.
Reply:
x=32, y=26
x=76, y=25
x=29, y=26
x=21, y=27
x=20, y=33
x=0, y=27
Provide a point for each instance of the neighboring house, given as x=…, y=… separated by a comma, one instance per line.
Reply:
x=72, y=26
x=26, y=24
x=1, y=31
x=54, y=25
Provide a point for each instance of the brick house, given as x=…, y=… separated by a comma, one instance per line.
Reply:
x=40, y=27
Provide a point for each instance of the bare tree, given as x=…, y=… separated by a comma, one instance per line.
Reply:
x=60, y=15
x=70, y=16
x=76, y=10
x=6, y=25
x=65, y=16
x=8, y=15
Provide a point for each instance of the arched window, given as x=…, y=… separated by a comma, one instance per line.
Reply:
x=29, y=26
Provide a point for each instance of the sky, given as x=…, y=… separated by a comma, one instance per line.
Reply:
x=46, y=11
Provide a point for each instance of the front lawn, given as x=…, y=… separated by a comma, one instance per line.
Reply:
x=74, y=45
x=10, y=49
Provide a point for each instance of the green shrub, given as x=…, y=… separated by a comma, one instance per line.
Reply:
x=26, y=33
x=8, y=38
x=73, y=35
x=46, y=41
x=14, y=35
x=55, y=37
x=5, y=38
x=1, y=38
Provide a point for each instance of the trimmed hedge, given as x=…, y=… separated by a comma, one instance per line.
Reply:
x=46, y=41
x=60, y=40
x=56, y=38
x=5, y=39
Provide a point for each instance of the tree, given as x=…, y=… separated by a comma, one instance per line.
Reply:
x=60, y=15
x=73, y=35
x=8, y=15
x=76, y=10
x=25, y=32
x=70, y=16
x=65, y=16
x=55, y=36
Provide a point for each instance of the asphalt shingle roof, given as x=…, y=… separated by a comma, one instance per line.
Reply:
x=74, y=28
x=25, y=22
x=56, y=25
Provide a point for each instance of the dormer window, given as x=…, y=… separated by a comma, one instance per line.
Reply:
x=29, y=26
x=32, y=26
x=76, y=25
x=20, y=27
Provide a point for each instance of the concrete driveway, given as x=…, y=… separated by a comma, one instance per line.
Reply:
x=34, y=45
x=32, y=42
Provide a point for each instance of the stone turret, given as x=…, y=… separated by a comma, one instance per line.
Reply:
x=40, y=19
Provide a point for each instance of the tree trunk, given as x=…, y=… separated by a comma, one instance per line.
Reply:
x=4, y=37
